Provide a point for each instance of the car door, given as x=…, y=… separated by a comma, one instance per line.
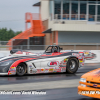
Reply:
x=51, y=63
x=34, y=66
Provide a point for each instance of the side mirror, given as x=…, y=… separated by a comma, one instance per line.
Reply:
x=14, y=51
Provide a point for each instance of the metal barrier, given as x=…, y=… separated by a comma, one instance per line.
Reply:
x=67, y=46
x=3, y=43
x=85, y=17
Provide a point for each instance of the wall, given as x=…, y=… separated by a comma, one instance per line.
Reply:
x=47, y=35
x=80, y=47
x=74, y=26
x=44, y=9
x=79, y=37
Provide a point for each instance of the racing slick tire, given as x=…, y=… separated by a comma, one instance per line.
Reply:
x=72, y=66
x=21, y=69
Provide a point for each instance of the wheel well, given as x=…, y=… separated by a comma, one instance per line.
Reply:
x=74, y=58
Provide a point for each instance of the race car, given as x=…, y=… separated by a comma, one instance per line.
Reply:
x=89, y=55
x=51, y=61
x=89, y=84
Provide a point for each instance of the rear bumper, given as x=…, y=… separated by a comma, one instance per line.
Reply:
x=90, y=92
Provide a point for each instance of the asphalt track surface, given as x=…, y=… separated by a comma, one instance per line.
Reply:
x=58, y=86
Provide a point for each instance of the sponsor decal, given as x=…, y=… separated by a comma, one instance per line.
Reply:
x=57, y=70
x=57, y=67
x=75, y=54
x=97, y=92
x=34, y=70
x=63, y=69
x=60, y=69
x=63, y=63
x=51, y=70
x=46, y=70
x=81, y=60
x=86, y=52
x=97, y=73
x=78, y=55
x=38, y=71
x=31, y=71
x=11, y=72
x=53, y=63
x=42, y=70
x=30, y=66
x=12, y=69
x=95, y=85
x=19, y=52
x=65, y=60
x=82, y=64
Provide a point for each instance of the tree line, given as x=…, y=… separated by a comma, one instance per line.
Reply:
x=7, y=34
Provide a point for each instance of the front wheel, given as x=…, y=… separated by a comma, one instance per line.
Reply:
x=72, y=66
x=21, y=69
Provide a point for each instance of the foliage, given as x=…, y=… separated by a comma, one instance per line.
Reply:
x=6, y=34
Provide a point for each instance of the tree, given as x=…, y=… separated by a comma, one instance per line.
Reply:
x=6, y=34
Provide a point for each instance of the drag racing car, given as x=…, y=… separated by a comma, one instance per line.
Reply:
x=89, y=84
x=51, y=61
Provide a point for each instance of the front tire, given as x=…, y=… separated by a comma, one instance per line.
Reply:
x=21, y=69
x=72, y=66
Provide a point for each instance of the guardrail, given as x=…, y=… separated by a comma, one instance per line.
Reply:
x=95, y=18
x=65, y=46
x=4, y=42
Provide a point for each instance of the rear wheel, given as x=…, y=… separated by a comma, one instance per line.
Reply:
x=72, y=66
x=21, y=69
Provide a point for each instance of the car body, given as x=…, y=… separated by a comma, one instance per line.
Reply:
x=51, y=61
x=89, y=55
x=89, y=84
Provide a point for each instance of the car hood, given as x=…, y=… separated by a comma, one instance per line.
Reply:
x=13, y=57
x=93, y=75
x=7, y=57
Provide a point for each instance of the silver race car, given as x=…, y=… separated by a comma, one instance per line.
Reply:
x=51, y=61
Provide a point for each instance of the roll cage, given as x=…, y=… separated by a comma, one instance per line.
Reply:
x=53, y=49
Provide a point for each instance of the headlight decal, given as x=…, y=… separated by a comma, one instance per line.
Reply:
x=82, y=80
x=83, y=85
x=6, y=63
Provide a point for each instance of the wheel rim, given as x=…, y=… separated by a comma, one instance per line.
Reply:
x=72, y=64
x=20, y=69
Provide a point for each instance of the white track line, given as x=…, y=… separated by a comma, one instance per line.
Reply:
x=41, y=85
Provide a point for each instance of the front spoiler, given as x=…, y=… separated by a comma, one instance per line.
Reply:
x=3, y=73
